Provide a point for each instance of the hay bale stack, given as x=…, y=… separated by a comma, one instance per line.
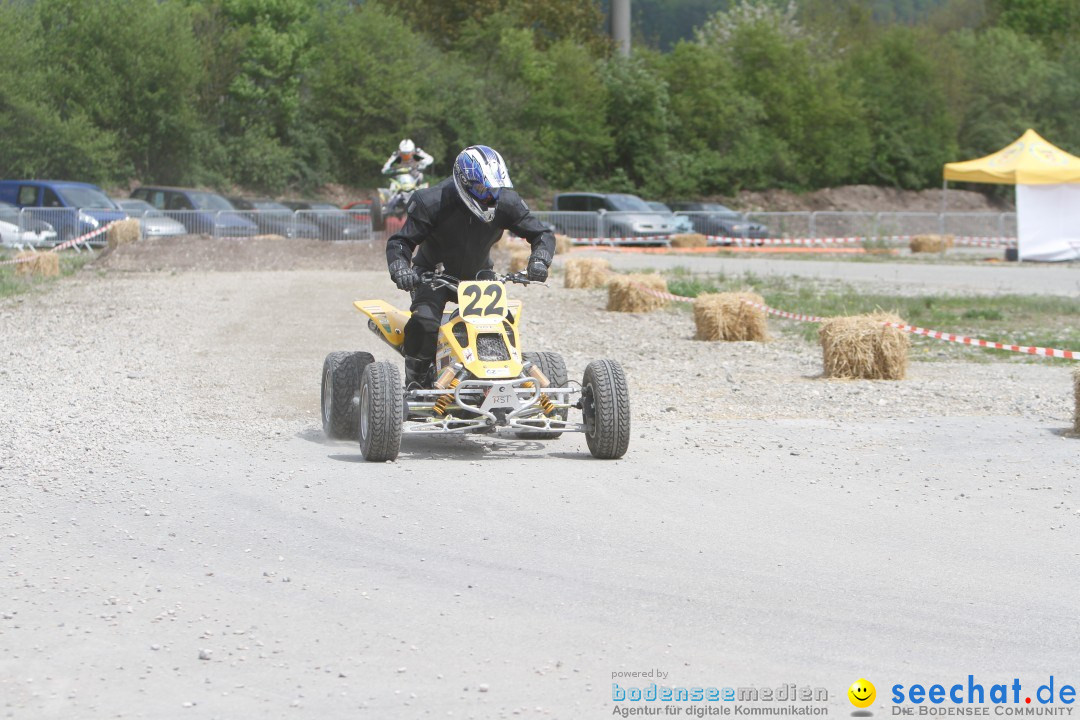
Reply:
x=43, y=264
x=562, y=244
x=690, y=240
x=931, y=243
x=724, y=316
x=519, y=260
x=586, y=273
x=861, y=347
x=1076, y=396
x=626, y=293
x=124, y=232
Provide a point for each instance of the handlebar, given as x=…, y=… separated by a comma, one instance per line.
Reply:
x=441, y=280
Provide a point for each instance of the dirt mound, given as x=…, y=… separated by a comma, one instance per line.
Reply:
x=201, y=252
x=865, y=198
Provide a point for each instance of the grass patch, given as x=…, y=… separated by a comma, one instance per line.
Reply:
x=12, y=284
x=1038, y=320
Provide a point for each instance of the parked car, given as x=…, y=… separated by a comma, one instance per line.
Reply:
x=631, y=216
x=32, y=232
x=333, y=222
x=200, y=211
x=72, y=208
x=682, y=223
x=273, y=218
x=719, y=220
x=154, y=222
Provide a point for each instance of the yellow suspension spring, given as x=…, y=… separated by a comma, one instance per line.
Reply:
x=544, y=401
x=444, y=401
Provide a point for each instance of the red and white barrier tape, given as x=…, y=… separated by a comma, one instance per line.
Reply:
x=969, y=240
x=64, y=245
x=974, y=241
x=723, y=240
x=964, y=340
x=635, y=239
x=936, y=334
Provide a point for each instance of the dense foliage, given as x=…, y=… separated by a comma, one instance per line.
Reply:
x=290, y=94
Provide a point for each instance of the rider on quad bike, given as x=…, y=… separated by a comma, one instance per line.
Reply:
x=408, y=156
x=456, y=223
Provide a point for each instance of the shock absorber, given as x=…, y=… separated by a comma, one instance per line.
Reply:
x=546, y=404
x=542, y=399
x=444, y=401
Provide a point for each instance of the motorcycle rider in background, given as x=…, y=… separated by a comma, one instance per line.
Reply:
x=410, y=156
x=456, y=223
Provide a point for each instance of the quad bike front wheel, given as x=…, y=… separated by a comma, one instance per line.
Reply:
x=605, y=405
x=554, y=368
x=341, y=392
x=381, y=412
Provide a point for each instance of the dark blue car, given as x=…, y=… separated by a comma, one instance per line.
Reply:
x=201, y=211
x=72, y=208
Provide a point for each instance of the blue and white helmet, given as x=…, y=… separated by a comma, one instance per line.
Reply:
x=479, y=175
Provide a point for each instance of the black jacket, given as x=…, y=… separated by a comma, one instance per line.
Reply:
x=446, y=232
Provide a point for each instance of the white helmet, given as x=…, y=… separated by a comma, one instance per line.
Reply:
x=479, y=175
x=406, y=147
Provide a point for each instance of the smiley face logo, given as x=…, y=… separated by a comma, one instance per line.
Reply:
x=861, y=693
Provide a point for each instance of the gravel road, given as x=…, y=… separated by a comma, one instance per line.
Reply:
x=180, y=540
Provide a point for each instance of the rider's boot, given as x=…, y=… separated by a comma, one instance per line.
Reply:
x=417, y=371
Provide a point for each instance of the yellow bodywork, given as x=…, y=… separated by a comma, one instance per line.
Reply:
x=390, y=322
x=388, y=319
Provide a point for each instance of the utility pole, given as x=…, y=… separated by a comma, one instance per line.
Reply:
x=620, y=26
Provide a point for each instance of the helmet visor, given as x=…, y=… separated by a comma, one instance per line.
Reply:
x=486, y=196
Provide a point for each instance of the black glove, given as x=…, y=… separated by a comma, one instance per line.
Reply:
x=404, y=276
x=538, y=270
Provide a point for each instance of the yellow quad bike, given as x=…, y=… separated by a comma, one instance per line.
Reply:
x=481, y=380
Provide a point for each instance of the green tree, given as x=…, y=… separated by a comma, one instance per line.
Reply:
x=718, y=144
x=1002, y=83
x=258, y=53
x=812, y=128
x=638, y=112
x=39, y=138
x=580, y=21
x=541, y=107
x=131, y=68
x=906, y=114
x=375, y=82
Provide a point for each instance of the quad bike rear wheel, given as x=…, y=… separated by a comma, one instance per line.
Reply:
x=341, y=392
x=554, y=368
x=605, y=405
x=381, y=412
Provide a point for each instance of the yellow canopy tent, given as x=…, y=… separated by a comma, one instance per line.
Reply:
x=1031, y=160
x=1047, y=181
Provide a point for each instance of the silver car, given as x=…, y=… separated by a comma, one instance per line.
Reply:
x=154, y=222
x=624, y=216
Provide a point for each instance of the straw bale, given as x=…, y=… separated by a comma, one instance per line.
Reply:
x=124, y=232
x=931, y=243
x=690, y=240
x=562, y=244
x=626, y=293
x=587, y=273
x=861, y=347
x=724, y=316
x=43, y=264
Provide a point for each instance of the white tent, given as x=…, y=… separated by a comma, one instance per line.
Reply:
x=1047, y=183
